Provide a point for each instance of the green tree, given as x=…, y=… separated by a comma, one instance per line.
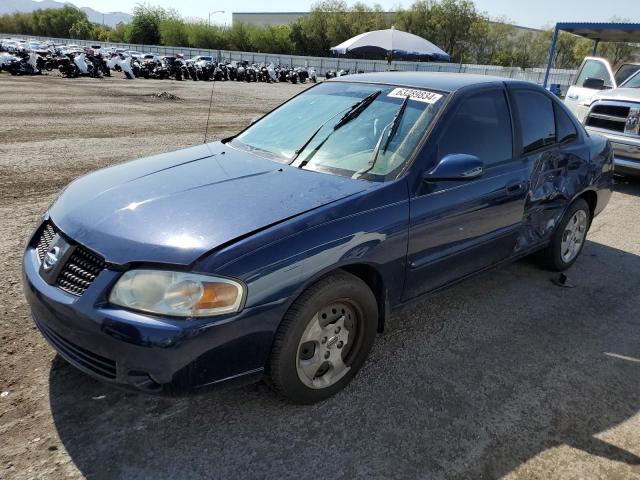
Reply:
x=618, y=53
x=239, y=37
x=174, y=30
x=204, y=36
x=80, y=29
x=145, y=25
x=450, y=24
x=531, y=50
x=272, y=39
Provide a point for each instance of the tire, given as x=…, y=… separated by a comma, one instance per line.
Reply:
x=553, y=256
x=342, y=344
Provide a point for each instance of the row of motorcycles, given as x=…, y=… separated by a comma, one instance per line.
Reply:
x=93, y=62
x=206, y=69
x=77, y=63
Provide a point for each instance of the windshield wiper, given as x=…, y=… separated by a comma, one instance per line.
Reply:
x=357, y=109
x=352, y=112
x=393, y=129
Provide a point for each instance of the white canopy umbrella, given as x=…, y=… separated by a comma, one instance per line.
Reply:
x=400, y=44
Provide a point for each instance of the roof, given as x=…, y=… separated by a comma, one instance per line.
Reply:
x=440, y=81
x=605, y=32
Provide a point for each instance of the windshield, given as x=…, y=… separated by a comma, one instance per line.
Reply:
x=633, y=82
x=318, y=130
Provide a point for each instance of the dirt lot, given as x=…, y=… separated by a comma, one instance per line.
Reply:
x=504, y=375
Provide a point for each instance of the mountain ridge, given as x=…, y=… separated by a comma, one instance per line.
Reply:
x=111, y=19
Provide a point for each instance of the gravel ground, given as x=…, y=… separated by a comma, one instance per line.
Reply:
x=505, y=375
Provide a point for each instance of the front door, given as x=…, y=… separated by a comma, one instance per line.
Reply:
x=578, y=94
x=458, y=227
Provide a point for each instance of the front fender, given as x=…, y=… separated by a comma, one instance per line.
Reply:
x=277, y=265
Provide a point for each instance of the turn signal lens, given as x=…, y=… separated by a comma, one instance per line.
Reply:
x=177, y=294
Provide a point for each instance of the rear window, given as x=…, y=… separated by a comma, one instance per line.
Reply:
x=536, y=118
x=565, y=128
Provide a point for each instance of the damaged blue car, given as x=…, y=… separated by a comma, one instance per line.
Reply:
x=279, y=253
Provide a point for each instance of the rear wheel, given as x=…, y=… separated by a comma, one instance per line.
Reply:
x=568, y=239
x=324, y=339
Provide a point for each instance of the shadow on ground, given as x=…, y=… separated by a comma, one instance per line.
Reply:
x=469, y=384
x=628, y=185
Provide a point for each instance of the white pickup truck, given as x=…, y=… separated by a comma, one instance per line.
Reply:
x=608, y=104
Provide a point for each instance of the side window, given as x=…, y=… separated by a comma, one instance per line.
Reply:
x=565, y=128
x=480, y=126
x=625, y=71
x=594, y=69
x=537, y=122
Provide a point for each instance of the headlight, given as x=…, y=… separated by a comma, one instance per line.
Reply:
x=177, y=294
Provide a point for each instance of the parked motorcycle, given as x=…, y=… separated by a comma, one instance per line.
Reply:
x=311, y=74
x=99, y=63
x=84, y=67
x=122, y=63
x=66, y=66
x=231, y=71
x=205, y=70
x=45, y=61
x=22, y=64
x=250, y=74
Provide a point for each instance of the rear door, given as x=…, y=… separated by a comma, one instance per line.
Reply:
x=551, y=149
x=578, y=94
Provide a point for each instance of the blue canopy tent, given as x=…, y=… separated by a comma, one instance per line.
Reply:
x=605, y=32
x=401, y=45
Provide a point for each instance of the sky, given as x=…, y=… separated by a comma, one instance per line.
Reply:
x=536, y=14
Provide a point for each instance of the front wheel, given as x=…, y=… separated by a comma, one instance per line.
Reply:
x=568, y=239
x=324, y=339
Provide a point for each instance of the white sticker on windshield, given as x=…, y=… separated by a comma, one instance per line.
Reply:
x=414, y=94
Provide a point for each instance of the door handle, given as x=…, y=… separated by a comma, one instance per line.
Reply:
x=572, y=97
x=515, y=188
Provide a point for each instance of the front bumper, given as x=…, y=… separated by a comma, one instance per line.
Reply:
x=626, y=151
x=151, y=354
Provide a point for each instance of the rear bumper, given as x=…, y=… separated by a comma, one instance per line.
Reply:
x=150, y=354
x=626, y=151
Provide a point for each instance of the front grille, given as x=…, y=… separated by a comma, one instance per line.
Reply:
x=615, y=110
x=81, y=269
x=608, y=117
x=81, y=357
x=46, y=235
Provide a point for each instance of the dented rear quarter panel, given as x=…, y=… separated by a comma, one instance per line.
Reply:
x=558, y=178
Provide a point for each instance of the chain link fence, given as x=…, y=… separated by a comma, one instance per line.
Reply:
x=322, y=64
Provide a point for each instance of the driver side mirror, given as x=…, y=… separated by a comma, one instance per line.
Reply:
x=594, y=83
x=456, y=166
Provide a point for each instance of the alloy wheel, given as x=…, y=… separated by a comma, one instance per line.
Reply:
x=573, y=236
x=327, y=340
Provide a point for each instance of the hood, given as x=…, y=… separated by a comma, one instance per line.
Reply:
x=619, y=94
x=175, y=207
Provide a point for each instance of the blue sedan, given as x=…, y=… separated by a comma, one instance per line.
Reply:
x=279, y=253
